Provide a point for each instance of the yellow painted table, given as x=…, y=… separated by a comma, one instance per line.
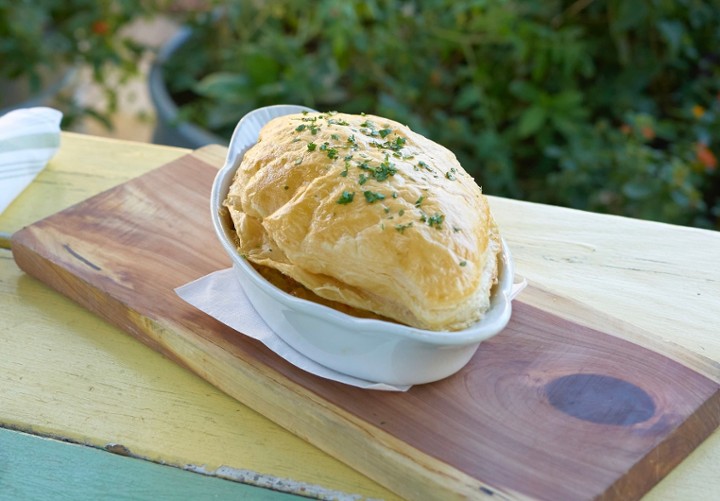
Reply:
x=65, y=373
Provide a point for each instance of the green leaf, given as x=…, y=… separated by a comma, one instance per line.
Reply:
x=230, y=87
x=261, y=68
x=531, y=121
x=636, y=190
x=673, y=33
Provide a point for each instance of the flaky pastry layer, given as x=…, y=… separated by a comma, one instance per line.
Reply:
x=362, y=211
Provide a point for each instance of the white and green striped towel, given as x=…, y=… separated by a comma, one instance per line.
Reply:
x=29, y=138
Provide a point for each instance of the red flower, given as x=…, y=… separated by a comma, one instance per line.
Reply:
x=647, y=132
x=705, y=156
x=100, y=27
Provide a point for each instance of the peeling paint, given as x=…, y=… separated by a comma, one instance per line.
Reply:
x=277, y=483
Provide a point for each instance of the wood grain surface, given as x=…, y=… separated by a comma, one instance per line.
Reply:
x=550, y=409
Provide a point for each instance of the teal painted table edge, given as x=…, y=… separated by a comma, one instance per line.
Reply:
x=34, y=467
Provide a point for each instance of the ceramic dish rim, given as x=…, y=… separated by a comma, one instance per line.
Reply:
x=499, y=312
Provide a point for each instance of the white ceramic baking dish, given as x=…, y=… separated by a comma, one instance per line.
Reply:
x=373, y=350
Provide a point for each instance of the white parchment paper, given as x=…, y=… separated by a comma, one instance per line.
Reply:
x=221, y=296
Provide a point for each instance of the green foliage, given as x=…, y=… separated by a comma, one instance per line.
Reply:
x=609, y=106
x=38, y=37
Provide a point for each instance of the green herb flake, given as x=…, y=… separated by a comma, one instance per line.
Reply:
x=419, y=201
x=300, y=128
x=314, y=129
x=372, y=196
x=401, y=212
x=450, y=176
x=436, y=220
x=332, y=153
x=423, y=164
x=463, y=263
x=338, y=122
x=397, y=144
x=346, y=197
x=311, y=146
x=394, y=195
x=384, y=132
x=385, y=169
x=362, y=179
x=402, y=227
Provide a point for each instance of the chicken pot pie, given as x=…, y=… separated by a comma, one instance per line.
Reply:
x=367, y=215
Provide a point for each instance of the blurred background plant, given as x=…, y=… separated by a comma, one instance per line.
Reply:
x=44, y=42
x=610, y=106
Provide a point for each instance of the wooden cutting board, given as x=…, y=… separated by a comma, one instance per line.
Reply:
x=549, y=409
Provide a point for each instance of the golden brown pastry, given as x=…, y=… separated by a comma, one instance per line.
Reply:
x=363, y=211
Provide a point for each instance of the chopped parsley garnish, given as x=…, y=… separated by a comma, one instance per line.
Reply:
x=385, y=169
x=423, y=164
x=397, y=144
x=300, y=128
x=346, y=197
x=450, y=176
x=362, y=179
x=372, y=196
x=402, y=227
x=311, y=146
x=401, y=212
x=331, y=152
x=463, y=263
x=436, y=220
x=419, y=201
x=334, y=137
x=384, y=132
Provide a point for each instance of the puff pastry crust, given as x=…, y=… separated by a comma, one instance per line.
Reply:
x=364, y=212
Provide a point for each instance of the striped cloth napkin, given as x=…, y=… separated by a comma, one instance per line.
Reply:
x=29, y=138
